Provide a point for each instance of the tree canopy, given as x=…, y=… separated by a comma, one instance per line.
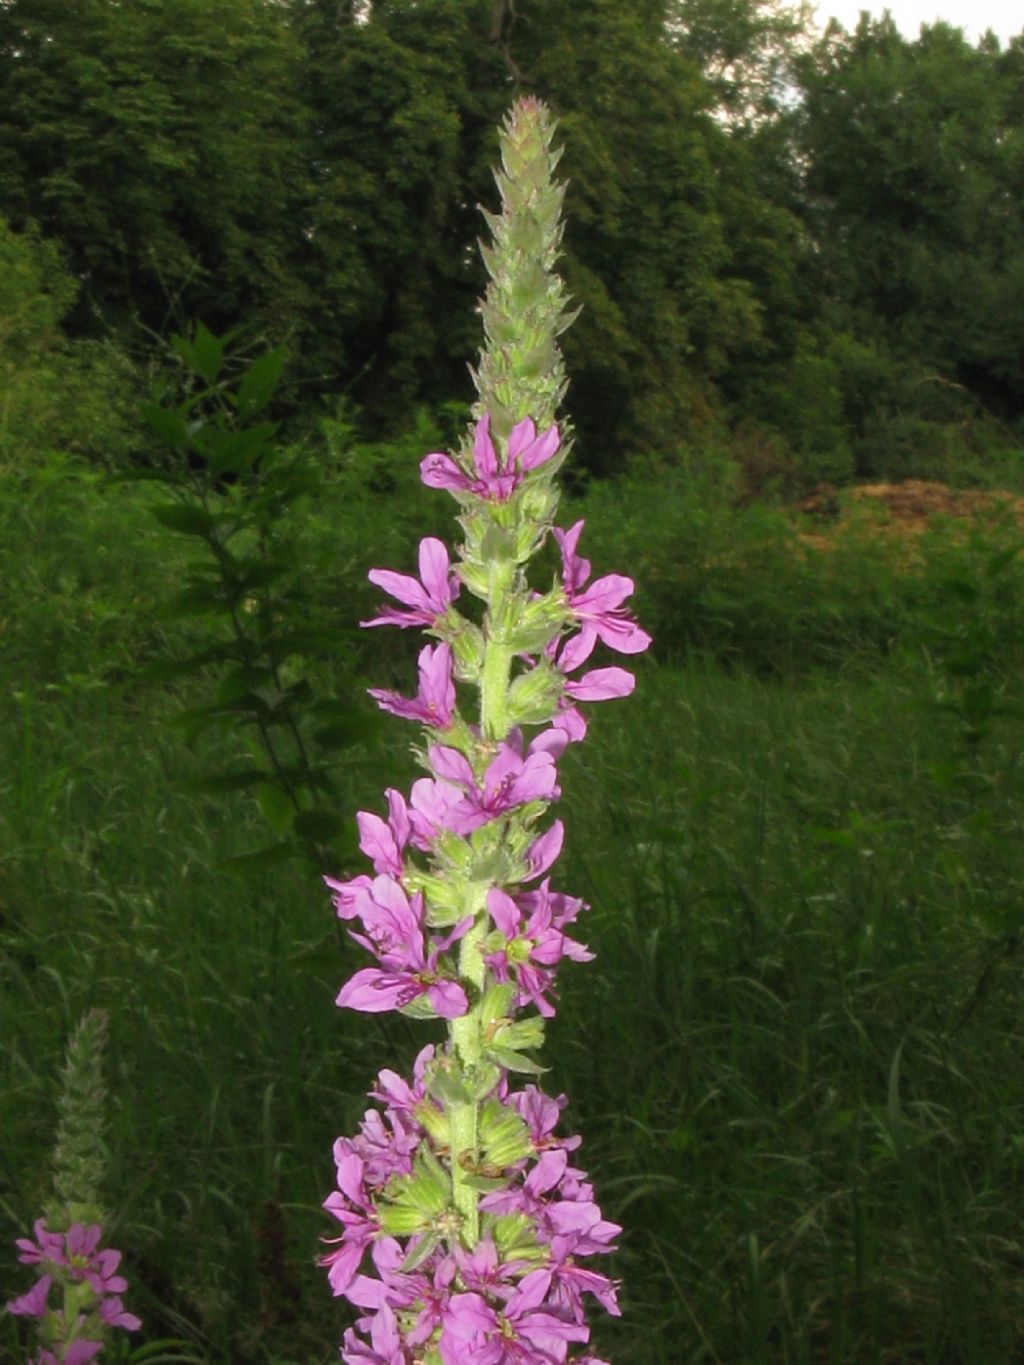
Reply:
x=766, y=231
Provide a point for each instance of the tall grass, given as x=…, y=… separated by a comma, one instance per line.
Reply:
x=797, y=1059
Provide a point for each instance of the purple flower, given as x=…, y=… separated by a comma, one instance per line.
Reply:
x=386, y=1345
x=112, y=1311
x=482, y=1271
x=382, y=842
x=396, y=1093
x=350, y=1204
x=76, y=1258
x=599, y=684
x=524, y=1332
x=423, y=1294
x=544, y=851
x=434, y=704
x=531, y=1197
x=532, y=949
x=48, y=1246
x=432, y=806
x=599, y=607
x=510, y=780
x=77, y=1353
x=426, y=598
x=394, y=933
x=385, y=1145
x=541, y=1113
x=347, y=893
x=32, y=1304
x=571, y=1281
x=526, y=451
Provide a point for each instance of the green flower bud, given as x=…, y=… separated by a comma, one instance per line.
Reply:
x=521, y=371
x=79, y=1157
x=504, y=1137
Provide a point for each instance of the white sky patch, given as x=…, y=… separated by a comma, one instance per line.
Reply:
x=1003, y=17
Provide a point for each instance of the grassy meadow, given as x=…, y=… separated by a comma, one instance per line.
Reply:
x=796, y=1061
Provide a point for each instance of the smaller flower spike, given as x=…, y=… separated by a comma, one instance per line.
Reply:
x=73, y=1263
x=427, y=598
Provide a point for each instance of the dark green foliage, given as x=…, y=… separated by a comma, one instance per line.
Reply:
x=837, y=279
x=743, y=583
x=913, y=155
x=54, y=393
x=157, y=143
x=244, y=499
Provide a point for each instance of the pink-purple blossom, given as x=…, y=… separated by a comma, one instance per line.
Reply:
x=434, y=703
x=511, y=779
x=425, y=599
x=494, y=478
x=394, y=932
x=534, y=945
x=73, y=1258
x=598, y=608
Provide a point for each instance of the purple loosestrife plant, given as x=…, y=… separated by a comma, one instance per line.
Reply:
x=76, y=1299
x=466, y=1229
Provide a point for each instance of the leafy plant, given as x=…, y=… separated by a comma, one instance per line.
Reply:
x=241, y=497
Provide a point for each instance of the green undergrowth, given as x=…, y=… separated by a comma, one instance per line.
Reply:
x=795, y=1062
x=752, y=585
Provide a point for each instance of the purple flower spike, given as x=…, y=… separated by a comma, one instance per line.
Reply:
x=599, y=607
x=426, y=598
x=434, y=704
x=465, y=1227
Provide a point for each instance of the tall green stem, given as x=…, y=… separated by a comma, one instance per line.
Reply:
x=466, y=1036
x=521, y=374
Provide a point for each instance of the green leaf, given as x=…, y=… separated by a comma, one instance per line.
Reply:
x=235, y=452
x=319, y=826
x=270, y=856
x=484, y=1184
x=259, y=382
x=515, y=1061
x=167, y=424
x=204, y=353
x=446, y=1088
x=424, y=1248
x=276, y=807
x=186, y=518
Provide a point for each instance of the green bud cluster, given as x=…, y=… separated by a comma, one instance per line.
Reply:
x=525, y=309
x=79, y=1157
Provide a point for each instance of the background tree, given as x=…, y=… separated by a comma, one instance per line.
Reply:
x=157, y=143
x=912, y=165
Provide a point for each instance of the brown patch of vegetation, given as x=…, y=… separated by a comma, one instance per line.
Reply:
x=899, y=512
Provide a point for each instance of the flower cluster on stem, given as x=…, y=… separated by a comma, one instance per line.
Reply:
x=83, y=1277
x=76, y=1299
x=466, y=1228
